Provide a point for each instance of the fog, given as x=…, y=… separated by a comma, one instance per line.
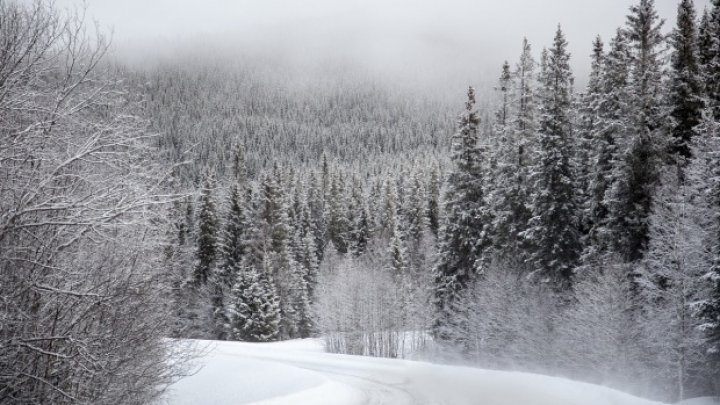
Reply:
x=458, y=40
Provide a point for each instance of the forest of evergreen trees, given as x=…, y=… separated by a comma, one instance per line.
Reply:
x=566, y=231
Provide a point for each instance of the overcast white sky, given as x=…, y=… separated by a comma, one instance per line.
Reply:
x=395, y=35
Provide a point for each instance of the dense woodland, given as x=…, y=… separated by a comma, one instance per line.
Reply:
x=561, y=230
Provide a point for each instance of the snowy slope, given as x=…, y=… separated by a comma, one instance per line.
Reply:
x=298, y=372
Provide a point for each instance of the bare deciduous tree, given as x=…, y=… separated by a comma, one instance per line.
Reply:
x=82, y=302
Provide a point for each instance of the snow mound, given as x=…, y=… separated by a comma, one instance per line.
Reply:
x=298, y=372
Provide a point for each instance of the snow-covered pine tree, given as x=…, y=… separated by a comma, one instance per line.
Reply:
x=553, y=228
x=294, y=296
x=398, y=248
x=316, y=204
x=375, y=204
x=413, y=211
x=338, y=222
x=525, y=123
x=508, y=196
x=588, y=131
x=464, y=235
x=686, y=90
x=207, y=236
x=307, y=260
x=388, y=215
x=307, y=264
x=612, y=108
x=705, y=42
x=502, y=117
x=630, y=199
x=595, y=82
x=279, y=235
x=233, y=247
x=234, y=237
x=253, y=310
x=644, y=30
x=516, y=157
x=359, y=221
x=276, y=209
x=499, y=133
x=253, y=227
x=433, y=204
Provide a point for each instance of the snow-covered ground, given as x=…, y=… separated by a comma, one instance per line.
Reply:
x=298, y=372
x=701, y=401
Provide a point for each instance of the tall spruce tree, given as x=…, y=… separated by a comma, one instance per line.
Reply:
x=280, y=257
x=516, y=158
x=507, y=195
x=587, y=133
x=207, y=236
x=686, y=93
x=307, y=260
x=705, y=43
x=233, y=247
x=502, y=117
x=644, y=30
x=631, y=196
x=316, y=204
x=413, y=211
x=612, y=107
x=390, y=207
x=553, y=228
x=433, y=206
x=274, y=210
x=359, y=234
x=339, y=226
x=524, y=76
x=464, y=236
x=398, y=248
x=253, y=227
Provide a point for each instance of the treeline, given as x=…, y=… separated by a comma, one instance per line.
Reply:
x=202, y=109
x=580, y=235
x=277, y=244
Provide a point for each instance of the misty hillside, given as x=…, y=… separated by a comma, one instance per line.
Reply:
x=204, y=112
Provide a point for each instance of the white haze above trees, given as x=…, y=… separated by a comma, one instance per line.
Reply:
x=399, y=39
